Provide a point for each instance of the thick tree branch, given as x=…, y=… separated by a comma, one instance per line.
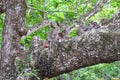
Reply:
x=93, y=47
x=96, y=46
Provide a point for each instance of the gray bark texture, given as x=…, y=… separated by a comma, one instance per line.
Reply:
x=96, y=46
x=13, y=30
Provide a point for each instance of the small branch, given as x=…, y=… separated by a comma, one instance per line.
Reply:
x=93, y=11
x=37, y=27
x=47, y=23
x=63, y=11
x=86, y=4
x=50, y=11
x=99, y=4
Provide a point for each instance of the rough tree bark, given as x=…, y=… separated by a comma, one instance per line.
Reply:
x=95, y=46
x=13, y=30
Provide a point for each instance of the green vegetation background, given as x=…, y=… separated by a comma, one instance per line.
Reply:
x=64, y=11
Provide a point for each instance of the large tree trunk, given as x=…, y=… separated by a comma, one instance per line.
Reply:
x=12, y=32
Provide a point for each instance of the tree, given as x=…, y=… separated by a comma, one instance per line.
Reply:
x=94, y=46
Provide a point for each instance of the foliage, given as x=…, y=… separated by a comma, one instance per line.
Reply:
x=1, y=26
x=64, y=11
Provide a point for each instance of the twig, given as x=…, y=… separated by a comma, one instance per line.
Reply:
x=99, y=4
x=38, y=26
x=63, y=11
x=86, y=4
x=93, y=11
x=50, y=11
